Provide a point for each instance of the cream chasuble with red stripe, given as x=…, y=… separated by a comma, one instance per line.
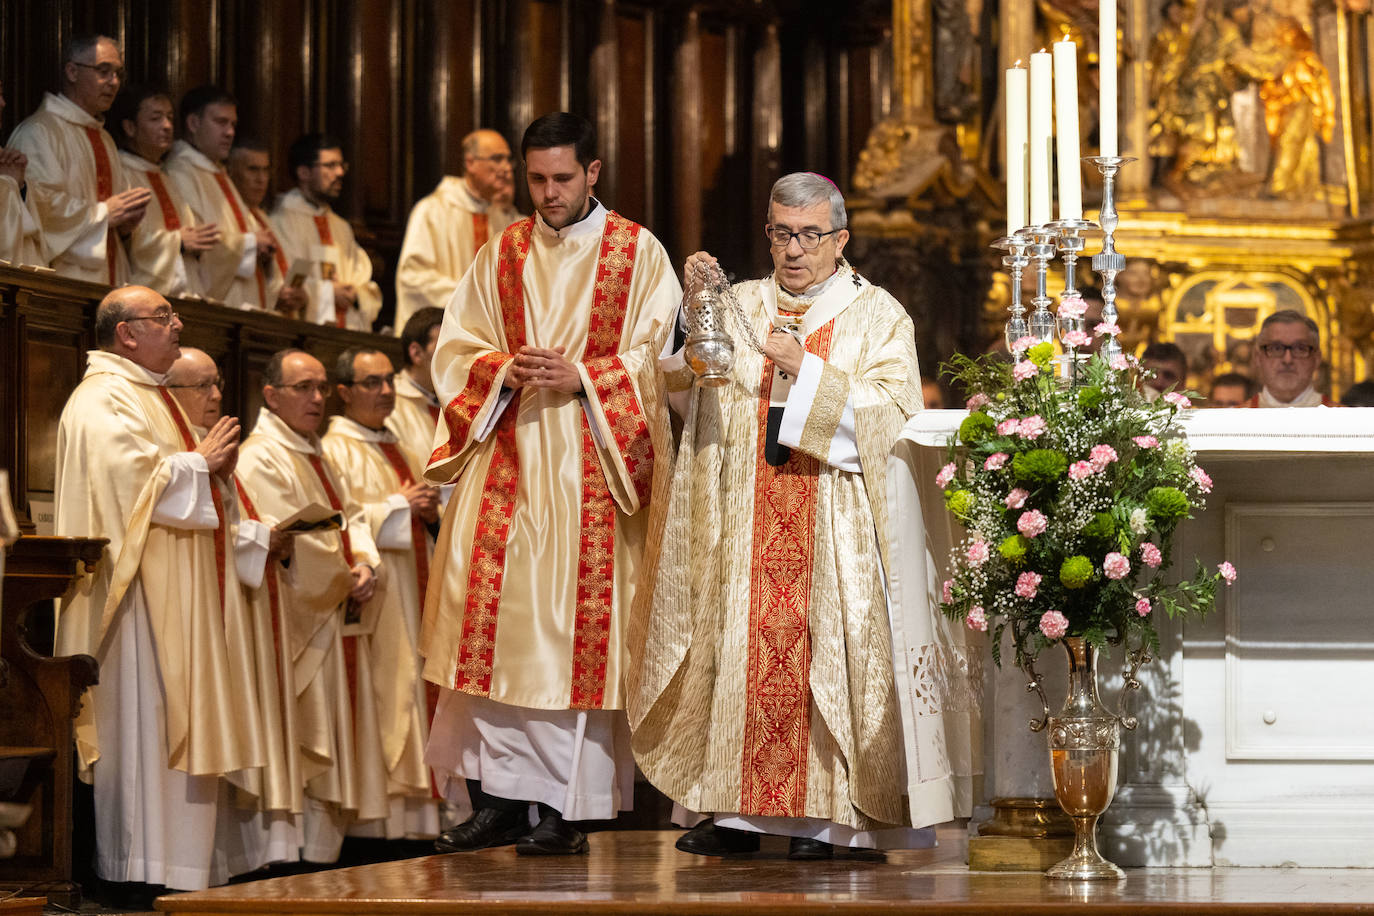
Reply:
x=336, y=721
x=376, y=469
x=536, y=564
x=117, y=431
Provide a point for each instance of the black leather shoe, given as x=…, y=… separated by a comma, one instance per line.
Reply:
x=553, y=837
x=805, y=849
x=706, y=839
x=488, y=827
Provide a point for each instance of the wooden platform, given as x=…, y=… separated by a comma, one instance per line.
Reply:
x=639, y=872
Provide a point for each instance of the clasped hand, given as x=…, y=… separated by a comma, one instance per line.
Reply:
x=542, y=367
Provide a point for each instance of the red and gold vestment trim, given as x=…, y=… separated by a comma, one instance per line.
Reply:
x=778, y=692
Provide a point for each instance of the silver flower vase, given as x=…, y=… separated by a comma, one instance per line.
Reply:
x=1085, y=742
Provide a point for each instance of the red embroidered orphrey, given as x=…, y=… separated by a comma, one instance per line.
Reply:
x=479, y=231
x=596, y=562
x=232, y=196
x=104, y=189
x=330, y=271
x=164, y=201
x=778, y=689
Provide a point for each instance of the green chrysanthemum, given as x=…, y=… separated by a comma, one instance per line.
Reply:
x=1166, y=504
x=1076, y=572
x=1090, y=397
x=1039, y=465
x=960, y=502
x=976, y=427
x=1014, y=548
x=1101, y=528
x=1041, y=354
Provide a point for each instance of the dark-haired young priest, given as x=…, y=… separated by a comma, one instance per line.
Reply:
x=545, y=366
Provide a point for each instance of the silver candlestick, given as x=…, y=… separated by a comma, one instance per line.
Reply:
x=1041, y=251
x=1015, y=261
x=1109, y=262
x=1071, y=240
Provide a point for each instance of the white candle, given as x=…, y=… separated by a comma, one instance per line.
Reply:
x=1017, y=103
x=1041, y=108
x=1066, y=129
x=1106, y=76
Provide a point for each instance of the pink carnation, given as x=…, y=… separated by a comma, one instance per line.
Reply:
x=1178, y=400
x=977, y=401
x=1076, y=339
x=1101, y=456
x=947, y=591
x=1022, y=344
x=1053, y=624
x=1007, y=427
x=1109, y=327
x=1027, y=584
x=1146, y=441
x=977, y=619
x=1120, y=363
x=977, y=553
x=1032, y=523
x=995, y=461
x=1115, y=566
x=1080, y=469
x=946, y=474
x=1150, y=555
x=1072, y=307
x=1016, y=498
x=1201, y=478
x=1032, y=427
x=1025, y=369
x=1142, y=607
x=1228, y=572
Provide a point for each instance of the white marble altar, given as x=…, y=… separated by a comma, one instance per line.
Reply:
x=1256, y=745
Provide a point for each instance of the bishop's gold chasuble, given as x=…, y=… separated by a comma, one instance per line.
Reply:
x=763, y=682
x=538, y=556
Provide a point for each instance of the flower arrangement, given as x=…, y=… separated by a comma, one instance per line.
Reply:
x=1070, y=498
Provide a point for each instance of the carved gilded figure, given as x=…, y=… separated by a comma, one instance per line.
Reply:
x=1299, y=107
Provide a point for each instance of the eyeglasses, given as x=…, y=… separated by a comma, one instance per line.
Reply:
x=163, y=317
x=495, y=159
x=204, y=387
x=306, y=389
x=808, y=239
x=105, y=72
x=374, y=383
x=1276, y=350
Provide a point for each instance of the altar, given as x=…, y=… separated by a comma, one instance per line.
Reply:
x=1256, y=741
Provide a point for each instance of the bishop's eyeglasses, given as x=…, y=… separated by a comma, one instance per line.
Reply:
x=808, y=239
x=1276, y=350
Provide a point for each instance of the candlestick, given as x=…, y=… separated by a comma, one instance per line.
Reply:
x=1017, y=103
x=1070, y=234
x=1066, y=129
x=1015, y=261
x=1041, y=128
x=1106, y=77
x=1041, y=251
x=1108, y=262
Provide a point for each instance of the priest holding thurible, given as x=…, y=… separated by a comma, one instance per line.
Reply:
x=763, y=690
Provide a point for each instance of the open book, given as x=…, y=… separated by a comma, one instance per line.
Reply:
x=313, y=517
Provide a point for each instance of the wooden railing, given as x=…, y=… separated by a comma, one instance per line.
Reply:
x=47, y=323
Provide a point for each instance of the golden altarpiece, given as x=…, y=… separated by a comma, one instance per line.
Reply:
x=1253, y=189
